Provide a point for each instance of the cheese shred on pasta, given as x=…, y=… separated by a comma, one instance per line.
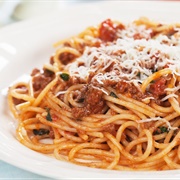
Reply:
x=108, y=98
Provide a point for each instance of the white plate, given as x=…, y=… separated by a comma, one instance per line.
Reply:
x=28, y=44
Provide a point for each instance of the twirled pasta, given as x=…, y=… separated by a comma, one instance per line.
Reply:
x=109, y=98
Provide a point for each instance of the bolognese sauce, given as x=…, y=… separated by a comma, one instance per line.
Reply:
x=109, y=98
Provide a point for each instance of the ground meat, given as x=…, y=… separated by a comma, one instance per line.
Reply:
x=40, y=82
x=51, y=60
x=35, y=71
x=80, y=112
x=158, y=87
x=80, y=95
x=156, y=90
x=18, y=101
x=51, y=134
x=111, y=128
x=123, y=86
x=171, y=32
x=66, y=57
x=93, y=96
x=138, y=36
x=110, y=82
x=93, y=103
x=24, y=90
x=75, y=80
x=130, y=90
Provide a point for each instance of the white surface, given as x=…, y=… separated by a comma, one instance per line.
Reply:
x=6, y=9
x=26, y=45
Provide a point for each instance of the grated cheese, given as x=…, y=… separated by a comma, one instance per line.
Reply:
x=169, y=96
x=173, y=89
x=158, y=119
x=129, y=59
x=60, y=92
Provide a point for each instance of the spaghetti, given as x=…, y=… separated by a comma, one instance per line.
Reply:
x=108, y=98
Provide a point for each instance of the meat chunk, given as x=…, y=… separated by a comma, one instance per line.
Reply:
x=93, y=96
x=111, y=128
x=35, y=71
x=23, y=89
x=66, y=57
x=130, y=90
x=93, y=103
x=158, y=87
x=40, y=80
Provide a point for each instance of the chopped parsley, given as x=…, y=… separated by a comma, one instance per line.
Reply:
x=161, y=129
x=40, y=132
x=139, y=74
x=64, y=76
x=48, y=116
x=113, y=94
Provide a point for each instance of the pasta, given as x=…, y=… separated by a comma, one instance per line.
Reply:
x=108, y=98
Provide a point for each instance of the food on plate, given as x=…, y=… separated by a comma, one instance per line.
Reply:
x=108, y=98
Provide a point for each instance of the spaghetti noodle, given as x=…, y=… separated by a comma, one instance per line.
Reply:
x=108, y=98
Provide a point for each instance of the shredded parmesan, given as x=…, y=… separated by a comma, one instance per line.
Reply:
x=146, y=100
x=101, y=89
x=173, y=89
x=158, y=119
x=129, y=59
x=60, y=92
x=169, y=96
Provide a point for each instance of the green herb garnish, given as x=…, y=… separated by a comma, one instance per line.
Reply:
x=113, y=94
x=163, y=129
x=40, y=132
x=48, y=117
x=139, y=74
x=64, y=76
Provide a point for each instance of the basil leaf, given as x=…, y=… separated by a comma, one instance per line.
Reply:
x=48, y=117
x=163, y=129
x=40, y=132
x=64, y=76
x=139, y=74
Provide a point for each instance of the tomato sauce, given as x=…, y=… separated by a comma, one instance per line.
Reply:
x=108, y=30
x=158, y=87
